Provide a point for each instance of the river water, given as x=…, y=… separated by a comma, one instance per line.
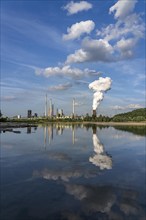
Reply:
x=73, y=172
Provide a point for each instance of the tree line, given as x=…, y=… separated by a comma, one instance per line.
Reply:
x=137, y=115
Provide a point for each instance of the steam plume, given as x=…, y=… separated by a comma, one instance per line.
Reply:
x=99, y=87
x=100, y=159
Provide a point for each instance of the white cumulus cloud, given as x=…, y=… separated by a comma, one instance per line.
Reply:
x=117, y=42
x=114, y=42
x=125, y=47
x=78, y=29
x=122, y=8
x=78, y=57
x=75, y=7
x=131, y=25
x=92, y=50
x=65, y=71
x=117, y=107
x=60, y=87
x=130, y=106
x=8, y=98
x=134, y=106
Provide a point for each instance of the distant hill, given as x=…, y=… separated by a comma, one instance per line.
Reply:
x=135, y=115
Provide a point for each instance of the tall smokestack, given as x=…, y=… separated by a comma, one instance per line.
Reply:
x=50, y=108
x=94, y=113
x=57, y=112
x=73, y=106
x=46, y=105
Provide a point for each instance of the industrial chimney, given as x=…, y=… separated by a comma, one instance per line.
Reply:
x=46, y=105
x=94, y=113
x=73, y=104
x=50, y=108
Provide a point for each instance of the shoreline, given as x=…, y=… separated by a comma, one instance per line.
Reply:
x=4, y=125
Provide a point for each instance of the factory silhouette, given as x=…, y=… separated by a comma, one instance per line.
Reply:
x=99, y=87
x=50, y=111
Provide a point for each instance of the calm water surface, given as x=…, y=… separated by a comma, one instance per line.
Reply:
x=73, y=173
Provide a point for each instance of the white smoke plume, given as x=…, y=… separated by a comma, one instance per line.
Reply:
x=99, y=87
x=100, y=159
x=98, y=147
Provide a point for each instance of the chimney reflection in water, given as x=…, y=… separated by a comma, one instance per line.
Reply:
x=73, y=134
x=100, y=158
x=45, y=136
x=28, y=130
x=59, y=131
x=50, y=134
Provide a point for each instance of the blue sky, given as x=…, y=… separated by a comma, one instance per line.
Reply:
x=59, y=47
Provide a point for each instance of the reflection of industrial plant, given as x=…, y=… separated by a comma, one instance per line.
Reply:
x=92, y=198
x=29, y=129
x=100, y=159
x=58, y=129
x=48, y=134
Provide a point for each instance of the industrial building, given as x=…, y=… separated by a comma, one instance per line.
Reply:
x=49, y=112
x=29, y=114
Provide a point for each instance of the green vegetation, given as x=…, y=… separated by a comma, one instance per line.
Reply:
x=100, y=118
x=138, y=130
x=2, y=119
x=135, y=115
